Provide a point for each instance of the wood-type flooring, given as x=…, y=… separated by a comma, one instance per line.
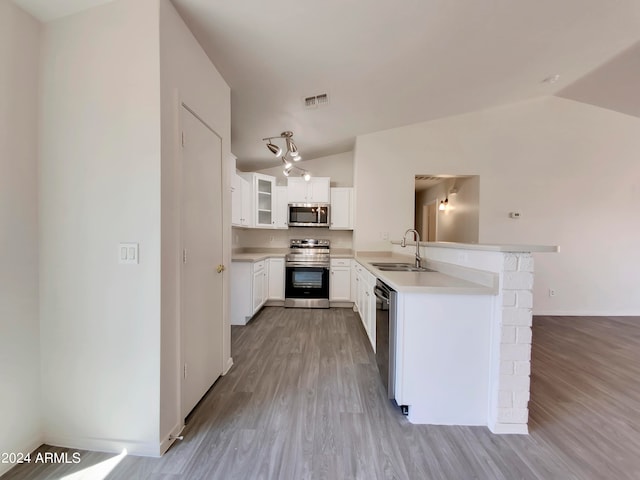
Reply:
x=304, y=401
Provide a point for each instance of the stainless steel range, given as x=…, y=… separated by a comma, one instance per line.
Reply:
x=307, y=274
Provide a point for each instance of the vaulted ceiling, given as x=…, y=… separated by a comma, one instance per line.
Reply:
x=386, y=64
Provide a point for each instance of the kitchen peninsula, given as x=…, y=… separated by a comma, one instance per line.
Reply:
x=487, y=291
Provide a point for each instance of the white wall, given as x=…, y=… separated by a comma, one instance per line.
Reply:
x=187, y=73
x=100, y=185
x=571, y=169
x=339, y=167
x=19, y=331
x=266, y=238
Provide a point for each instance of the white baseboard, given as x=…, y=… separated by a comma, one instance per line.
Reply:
x=341, y=304
x=581, y=313
x=509, y=428
x=274, y=303
x=142, y=449
x=29, y=447
x=228, y=366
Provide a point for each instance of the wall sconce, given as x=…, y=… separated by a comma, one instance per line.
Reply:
x=291, y=155
x=444, y=204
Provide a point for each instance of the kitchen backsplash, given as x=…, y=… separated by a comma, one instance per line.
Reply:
x=252, y=238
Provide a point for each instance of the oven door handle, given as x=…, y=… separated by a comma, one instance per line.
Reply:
x=306, y=264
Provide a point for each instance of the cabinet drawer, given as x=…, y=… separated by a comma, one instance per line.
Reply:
x=340, y=262
x=258, y=266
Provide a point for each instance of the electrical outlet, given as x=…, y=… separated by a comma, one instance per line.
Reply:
x=552, y=292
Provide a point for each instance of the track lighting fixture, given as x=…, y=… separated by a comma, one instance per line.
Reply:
x=444, y=204
x=291, y=154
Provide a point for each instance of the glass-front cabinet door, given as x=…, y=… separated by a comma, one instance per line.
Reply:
x=265, y=196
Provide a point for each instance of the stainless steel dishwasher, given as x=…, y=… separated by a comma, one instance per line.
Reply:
x=386, y=335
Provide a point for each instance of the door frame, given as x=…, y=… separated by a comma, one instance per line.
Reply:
x=435, y=202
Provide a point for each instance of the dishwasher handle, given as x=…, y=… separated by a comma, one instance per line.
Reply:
x=381, y=294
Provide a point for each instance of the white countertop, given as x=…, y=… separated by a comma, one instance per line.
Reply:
x=448, y=279
x=255, y=256
x=486, y=247
x=457, y=281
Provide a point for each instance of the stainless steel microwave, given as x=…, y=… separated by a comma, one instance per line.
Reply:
x=308, y=215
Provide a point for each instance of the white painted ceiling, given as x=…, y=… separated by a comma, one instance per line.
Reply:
x=386, y=64
x=47, y=10
x=615, y=85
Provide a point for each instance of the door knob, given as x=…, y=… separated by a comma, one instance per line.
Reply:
x=220, y=268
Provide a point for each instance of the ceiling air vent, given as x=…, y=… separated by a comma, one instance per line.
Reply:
x=427, y=177
x=316, y=101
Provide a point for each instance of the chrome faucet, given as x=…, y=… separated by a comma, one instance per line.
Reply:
x=416, y=237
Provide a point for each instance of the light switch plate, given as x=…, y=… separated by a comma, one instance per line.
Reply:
x=128, y=253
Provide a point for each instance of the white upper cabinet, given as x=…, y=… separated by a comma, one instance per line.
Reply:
x=341, y=208
x=240, y=201
x=316, y=190
x=281, y=211
x=263, y=199
x=236, y=199
x=245, y=219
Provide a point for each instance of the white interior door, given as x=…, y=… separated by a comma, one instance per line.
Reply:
x=201, y=283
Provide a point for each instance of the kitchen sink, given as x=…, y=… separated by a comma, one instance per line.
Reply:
x=400, y=267
x=391, y=264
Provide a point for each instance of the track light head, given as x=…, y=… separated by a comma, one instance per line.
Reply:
x=276, y=150
x=291, y=147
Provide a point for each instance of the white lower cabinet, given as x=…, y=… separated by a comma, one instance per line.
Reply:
x=443, y=351
x=370, y=281
x=366, y=301
x=259, y=294
x=340, y=280
x=248, y=289
x=276, y=279
x=252, y=284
